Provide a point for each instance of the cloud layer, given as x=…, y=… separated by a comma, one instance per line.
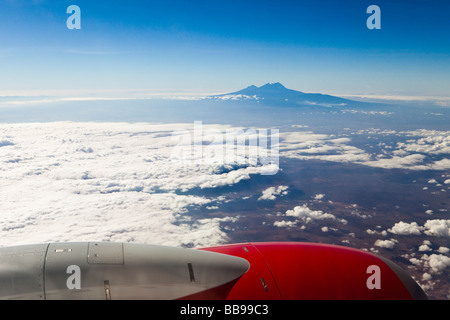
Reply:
x=69, y=181
x=417, y=150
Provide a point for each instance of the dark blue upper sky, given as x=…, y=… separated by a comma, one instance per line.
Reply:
x=218, y=46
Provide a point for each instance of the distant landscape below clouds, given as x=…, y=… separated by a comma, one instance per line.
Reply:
x=370, y=176
x=63, y=181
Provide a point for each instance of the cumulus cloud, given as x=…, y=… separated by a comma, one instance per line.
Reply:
x=306, y=214
x=388, y=244
x=426, y=276
x=271, y=193
x=436, y=262
x=319, y=196
x=430, y=265
x=303, y=214
x=285, y=224
x=443, y=250
x=437, y=227
x=424, y=248
x=403, y=228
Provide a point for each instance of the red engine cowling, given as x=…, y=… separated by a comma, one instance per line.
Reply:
x=308, y=271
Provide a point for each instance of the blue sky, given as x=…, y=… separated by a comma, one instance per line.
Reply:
x=220, y=46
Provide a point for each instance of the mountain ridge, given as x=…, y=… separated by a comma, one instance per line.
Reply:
x=277, y=94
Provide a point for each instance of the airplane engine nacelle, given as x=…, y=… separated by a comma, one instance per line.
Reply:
x=249, y=271
x=310, y=271
x=106, y=270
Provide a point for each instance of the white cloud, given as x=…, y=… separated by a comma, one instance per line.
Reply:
x=286, y=224
x=388, y=244
x=437, y=227
x=236, y=97
x=413, y=162
x=426, y=276
x=415, y=261
x=403, y=228
x=306, y=214
x=429, y=141
x=307, y=145
x=319, y=196
x=437, y=262
x=371, y=112
x=443, y=164
x=424, y=247
x=432, y=264
x=443, y=250
x=229, y=178
x=271, y=193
